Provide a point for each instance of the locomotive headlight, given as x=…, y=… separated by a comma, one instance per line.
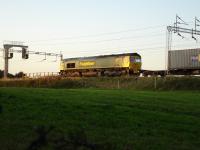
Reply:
x=62, y=65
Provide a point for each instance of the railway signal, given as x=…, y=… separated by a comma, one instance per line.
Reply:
x=24, y=53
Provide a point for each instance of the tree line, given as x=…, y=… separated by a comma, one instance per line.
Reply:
x=17, y=75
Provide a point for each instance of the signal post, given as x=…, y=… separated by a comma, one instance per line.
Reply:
x=7, y=55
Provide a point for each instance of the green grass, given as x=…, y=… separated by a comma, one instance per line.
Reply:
x=117, y=119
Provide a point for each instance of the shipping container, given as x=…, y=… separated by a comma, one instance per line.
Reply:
x=184, y=59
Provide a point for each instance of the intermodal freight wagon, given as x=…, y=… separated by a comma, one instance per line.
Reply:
x=185, y=62
x=106, y=65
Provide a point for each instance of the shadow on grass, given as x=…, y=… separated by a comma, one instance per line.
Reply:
x=41, y=140
x=75, y=140
x=1, y=109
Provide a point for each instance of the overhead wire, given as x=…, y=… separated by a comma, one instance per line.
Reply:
x=100, y=34
x=144, y=49
x=105, y=40
x=143, y=45
x=108, y=40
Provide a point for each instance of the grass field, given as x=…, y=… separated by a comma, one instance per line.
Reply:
x=98, y=119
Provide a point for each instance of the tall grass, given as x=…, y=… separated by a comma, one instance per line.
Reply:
x=144, y=83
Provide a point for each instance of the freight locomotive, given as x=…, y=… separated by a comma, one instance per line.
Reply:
x=104, y=65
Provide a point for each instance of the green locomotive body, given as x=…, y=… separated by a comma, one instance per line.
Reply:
x=107, y=65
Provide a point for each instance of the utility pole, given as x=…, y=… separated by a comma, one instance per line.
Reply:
x=6, y=52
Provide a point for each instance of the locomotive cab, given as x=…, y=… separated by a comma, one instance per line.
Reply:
x=135, y=64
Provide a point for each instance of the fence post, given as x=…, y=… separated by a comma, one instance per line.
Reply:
x=118, y=84
x=155, y=82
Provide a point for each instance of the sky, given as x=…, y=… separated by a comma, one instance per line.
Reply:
x=80, y=28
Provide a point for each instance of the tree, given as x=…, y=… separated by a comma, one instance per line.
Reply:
x=19, y=75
